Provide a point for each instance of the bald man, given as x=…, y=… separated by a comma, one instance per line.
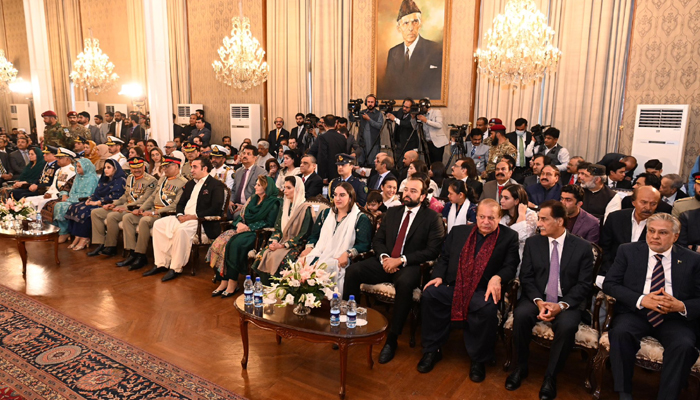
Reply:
x=408, y=157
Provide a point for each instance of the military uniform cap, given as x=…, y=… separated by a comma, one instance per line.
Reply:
x=49, y=113
x=219, y=151
x=696, y=176
x=190, y=147
x=72, y=114
x=79, y=139
x=167, y=160
x=496, y=121
x=342, y=159
x=136, y=162
x=111, y=141
x=63, y=152
x=50, y=149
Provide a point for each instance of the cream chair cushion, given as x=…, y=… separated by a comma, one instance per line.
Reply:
x=387, y=290
x=650, y=350
x=585, y=337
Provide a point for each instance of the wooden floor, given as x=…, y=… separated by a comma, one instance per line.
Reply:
x=179, y=322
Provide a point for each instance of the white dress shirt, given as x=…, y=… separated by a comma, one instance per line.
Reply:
x=637, y=228
x=411, y=48
x=670, y=199
x=412, y=217
x=651, y=263
x=560, y=249
x=381, y=179
x=191, y=206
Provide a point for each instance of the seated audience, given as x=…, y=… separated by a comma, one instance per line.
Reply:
x=465, y=287
x=464, y=170
x=579, y=222
x=654, y=167
x=629, y=161
x=228, y=255
x=313, y=184
x=20, y=157
x=555, y=278
x=437, y=174
x=84, y=185
x=645, y=179
x=245, y=180
x=398, y=256
x=657, y=290
x=390, y=196
x=263, y=154
x=220, y=170
x=154, y=166
x=598, y=199
x=419, y=166
x=550, y=148
x=102, y=154
x=549, y=187
x=115, y=150
x=62, y=181
x=537, y=162
x=288, y=169
x=516, y=215
x=383, y=166
x=570, y=175
x=273, y=168
x=616, y=176
x=375, y=205
x=36, y=176
x=493, y=189
x=461, y=209
x=689, y=203
x=344, y=164
x=670, y=189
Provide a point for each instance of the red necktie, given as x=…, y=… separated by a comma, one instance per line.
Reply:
x=500, y=190
x=572, y=181
x=303, y=179
x=396, y=252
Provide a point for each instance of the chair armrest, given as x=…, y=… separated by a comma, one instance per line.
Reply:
x=511, y=289
x=211, y=218
x=610, y=306
x=363, y=256
x=168, y=214
x=426, y=269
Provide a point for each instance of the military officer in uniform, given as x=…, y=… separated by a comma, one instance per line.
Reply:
x=139, y=187
x=191, y=151
x=115, y=149
x=74, y=128
x=163, y=200
x=344, y=163
x=221, y=171
x=45, y=180
x=54, y=135
x=64, y=174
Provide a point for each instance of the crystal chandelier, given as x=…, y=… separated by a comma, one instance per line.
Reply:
x=92, y=70
x=518, y=48
x=242, y=65
x=8, y=73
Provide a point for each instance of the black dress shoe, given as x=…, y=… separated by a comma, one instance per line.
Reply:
x=170, y=276
x=217, y=293
x=428, y=361
x=127, y=261
x=226, y=294
x=109, y=251
x=97, y=251
x=516, y=378
x=154, y=270
x=548, y=391
x=140, y=262
x=477, y=372
x=387, y=353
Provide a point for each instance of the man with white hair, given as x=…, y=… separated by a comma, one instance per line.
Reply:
x=263, y=153
x=671, y=185
x=170, y=146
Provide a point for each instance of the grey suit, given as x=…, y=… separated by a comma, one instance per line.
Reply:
x=255, y=172
x=491, y=190
x=98, y=134
x=481, y=155
x=17, y=163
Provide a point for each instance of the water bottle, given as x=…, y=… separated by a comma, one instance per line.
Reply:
x=258, y=293
x=352, y=312
x=38, y=225
x=248, y=291
x=335, y=310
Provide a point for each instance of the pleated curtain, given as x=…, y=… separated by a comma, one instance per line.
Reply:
x=179, y=52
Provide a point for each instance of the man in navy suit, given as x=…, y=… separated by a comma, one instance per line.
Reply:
x=414, y=67
x=657, y=288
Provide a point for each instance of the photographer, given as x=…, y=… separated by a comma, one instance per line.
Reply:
x=405, y=124
x=311, y=132
x=371, y=122
x=433, y=130
x=521, y=138
x=546, y=144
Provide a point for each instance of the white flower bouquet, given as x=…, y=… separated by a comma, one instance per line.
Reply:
x=12, y=210
x=302, y=285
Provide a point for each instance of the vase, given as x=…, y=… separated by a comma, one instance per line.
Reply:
x=301, y=310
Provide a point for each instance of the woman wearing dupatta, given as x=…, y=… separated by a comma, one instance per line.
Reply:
x=294, y=224
x=340, y=233
x=109, y=188
x=84, y=185
x=228, y=255
x=30, y=174
x=103, y=154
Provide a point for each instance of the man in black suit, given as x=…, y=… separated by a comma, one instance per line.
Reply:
x=646, y=179
x=690, y=229
x=20, y=157
x=657, y=288
x=414, y=67
x=405, y=124
x=201, y=131
x=312, y=182
x=5, y=171
x=135, y=132
x=468, y=288
x=459, y=172
x=383, y=166
x=178, y=131
x=570, y=175
x=200, y=114
x=330, y=144
x=276, y=135
x=670, y=188
x=203, y=196
x=520, y=138
x=556, y=276
x=298, y=131
x=629, y=161
x=539, y=161
x=616, y=176
x=119, y=128
x=407, y=237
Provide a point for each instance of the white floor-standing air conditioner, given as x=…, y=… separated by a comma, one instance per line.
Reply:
x=122, y=108
x=659, y=133
x=245, y=123
x=19, y=115
x=89, y=106
x=185, y=110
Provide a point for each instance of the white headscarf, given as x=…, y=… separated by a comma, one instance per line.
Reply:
x=299, y=199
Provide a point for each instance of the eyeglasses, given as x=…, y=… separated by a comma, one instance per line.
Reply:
x=169, y=147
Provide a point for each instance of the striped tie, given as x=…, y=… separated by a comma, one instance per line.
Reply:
x=657, y=282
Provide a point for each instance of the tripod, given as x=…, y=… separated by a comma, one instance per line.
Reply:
x=389, y=126
x=458, y=151
x=422, y=144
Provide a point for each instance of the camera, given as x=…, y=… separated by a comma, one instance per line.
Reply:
x=387, y=106
x=420, y=108
x=458, y=130
x=538, y=134
x=354, y=107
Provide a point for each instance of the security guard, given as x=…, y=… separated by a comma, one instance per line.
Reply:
x=139, y=187
x=45, y=180
x=221, y=171
x=191, y=151
x=115, y=146
x=163, y=200
x=345, y=162
x=74, y=128
x=54, y=135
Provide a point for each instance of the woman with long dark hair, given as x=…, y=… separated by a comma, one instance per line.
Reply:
x=516, y=215
x=461, y=209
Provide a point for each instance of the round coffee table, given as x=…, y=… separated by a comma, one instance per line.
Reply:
x=47, y=233
x=315, y=328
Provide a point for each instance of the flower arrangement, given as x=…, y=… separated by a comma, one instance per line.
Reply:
x=13, y=210
x=303, y=286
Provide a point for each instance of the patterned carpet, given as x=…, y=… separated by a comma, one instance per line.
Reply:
x=46, y=355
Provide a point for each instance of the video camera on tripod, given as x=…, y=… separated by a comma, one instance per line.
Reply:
x=538, y=133
x=420, y=108
x=387, y=106
x=354, y=107
x=459, y=131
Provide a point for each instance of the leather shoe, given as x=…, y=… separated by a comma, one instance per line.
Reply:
x=127, y=261
x=516, y=378
x=140, y=262
x=97, y=251
x=170, y=276
x=428, y=361
x=154, y=270
x=226, y=294
x=109, y=251
x=477, y=372
x=387, y=353
x=548, y=391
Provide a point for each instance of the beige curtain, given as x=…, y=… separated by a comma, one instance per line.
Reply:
x=288, y=58
x=330, y=56
x=137, y=41
x=583, y=98
x=5, y=99
x=179, y=67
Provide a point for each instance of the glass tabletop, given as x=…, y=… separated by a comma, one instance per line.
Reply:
x=318, y=322
x=9, y=230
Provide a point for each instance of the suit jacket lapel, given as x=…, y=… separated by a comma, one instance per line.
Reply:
x=627, y=229
x=676, y=275
x=566, y=255
x=416, y=221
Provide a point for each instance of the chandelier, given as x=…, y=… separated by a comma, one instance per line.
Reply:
x=518, y=48
x=92, y=70
x=8, y=73
x=242, y=65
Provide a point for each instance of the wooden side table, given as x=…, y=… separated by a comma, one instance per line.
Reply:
x=48, y=233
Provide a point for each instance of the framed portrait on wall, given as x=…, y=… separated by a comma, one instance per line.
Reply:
x=411, y=50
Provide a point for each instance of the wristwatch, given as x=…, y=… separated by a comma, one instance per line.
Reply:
x=562, y=306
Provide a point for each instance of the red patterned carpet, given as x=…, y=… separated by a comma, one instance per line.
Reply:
x=46, y=355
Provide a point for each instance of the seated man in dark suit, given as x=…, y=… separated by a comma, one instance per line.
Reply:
x=407, y=237
x=468, y=288
x=555, y=275
x=538, y=163
x=312, y=182
x=645, y=179
x=383, y=166
x=690, y=229
x=629, y=161
x=657, y=288
x=579, y=222
x=548, y=188
x=616, y=176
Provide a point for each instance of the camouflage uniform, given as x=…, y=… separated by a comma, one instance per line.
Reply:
x=496, y=152
x=79, y=130
x=58, y=136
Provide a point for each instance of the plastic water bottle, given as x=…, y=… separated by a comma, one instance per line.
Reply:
x=38, y=225
x=258, y=293
x=248, y=291
x=335, y=310
x=352, y=312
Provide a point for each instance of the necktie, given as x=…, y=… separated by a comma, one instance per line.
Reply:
x=500, y=189
x=473, y=151
x=406, y=59
x=572, y=180
x=239, y=192
x=303, y=179
x=521, y=151
x=25, y=155
x=396, y=252
x=658, y=281
x=553, y=282
x=379, y=182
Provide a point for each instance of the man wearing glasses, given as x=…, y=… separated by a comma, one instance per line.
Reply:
x=170, y=146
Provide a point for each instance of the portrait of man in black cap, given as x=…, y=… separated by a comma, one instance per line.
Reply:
x=414, y=66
